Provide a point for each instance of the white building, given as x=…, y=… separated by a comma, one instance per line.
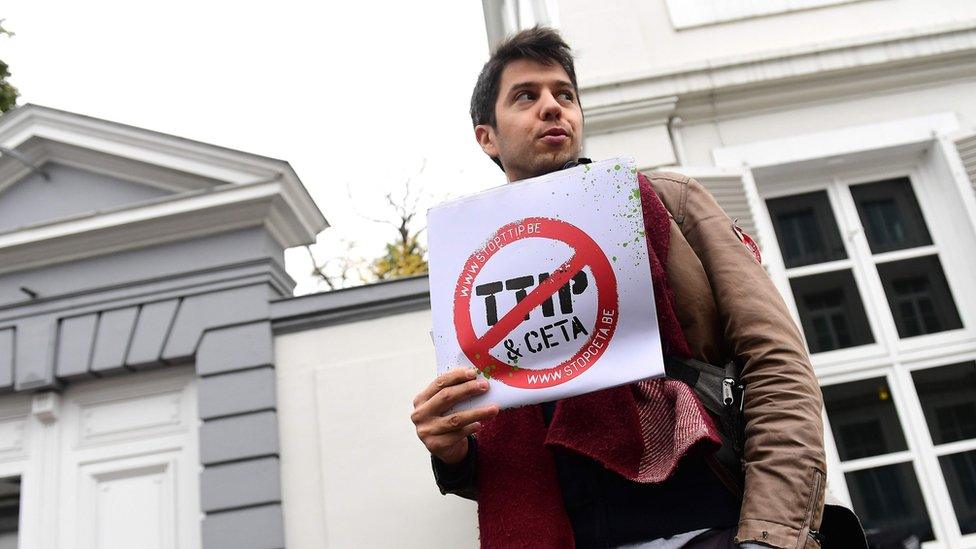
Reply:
x=162, y=389
x=840, y=133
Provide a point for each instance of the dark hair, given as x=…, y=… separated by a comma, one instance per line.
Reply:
x=540, y=44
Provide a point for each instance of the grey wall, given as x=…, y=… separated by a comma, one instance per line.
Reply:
x=133, y=267
x=70, y=191
x=203, y=300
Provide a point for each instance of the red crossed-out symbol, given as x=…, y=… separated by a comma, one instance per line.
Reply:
x=586, y=253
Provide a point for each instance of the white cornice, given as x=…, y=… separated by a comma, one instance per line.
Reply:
x=39, y=151
x=163, y=220
x=623, y=116
x=214, y=188
x=834, y=144
x=923, y=45
x=202, y=161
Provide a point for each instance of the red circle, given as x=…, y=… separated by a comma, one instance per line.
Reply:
x=586, y=253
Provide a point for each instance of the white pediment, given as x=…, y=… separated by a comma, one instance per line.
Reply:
x=75, y=186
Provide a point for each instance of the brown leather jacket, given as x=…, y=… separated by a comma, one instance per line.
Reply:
x=728, y=306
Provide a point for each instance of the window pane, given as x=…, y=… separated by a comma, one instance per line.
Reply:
x=948, y=397
x=919, y=296
x=9, y=511
x=889, y=503
x=890, y=215
x=806, y=229
x=831, y=311
x=960, y=476
x=863, y=418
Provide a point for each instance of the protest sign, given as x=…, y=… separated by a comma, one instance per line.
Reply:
x=544, y=285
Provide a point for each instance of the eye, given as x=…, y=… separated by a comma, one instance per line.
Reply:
x=525, y=96
x=565, y=95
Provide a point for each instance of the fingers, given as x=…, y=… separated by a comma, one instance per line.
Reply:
x=451, y=447
x=448, y=397
x=459, y=421
x=453, y=377
x=445, y=436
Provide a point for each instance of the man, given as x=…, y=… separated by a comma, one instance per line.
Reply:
x=549, y=476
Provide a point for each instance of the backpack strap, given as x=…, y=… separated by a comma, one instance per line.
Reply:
x=720, y=391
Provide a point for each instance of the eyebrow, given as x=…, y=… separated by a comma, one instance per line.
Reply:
x=530, y=85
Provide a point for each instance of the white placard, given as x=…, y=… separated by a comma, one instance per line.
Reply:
x=544, y=285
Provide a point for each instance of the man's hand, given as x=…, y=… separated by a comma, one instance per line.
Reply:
x=446, y=437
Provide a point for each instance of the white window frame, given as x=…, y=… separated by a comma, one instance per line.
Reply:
x=914, y=454
x=833, y=161
x=931, y=453
x=863, y=265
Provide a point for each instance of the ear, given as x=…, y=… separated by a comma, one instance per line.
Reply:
x=485, y=134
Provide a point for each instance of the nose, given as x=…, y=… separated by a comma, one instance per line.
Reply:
x=549, y=107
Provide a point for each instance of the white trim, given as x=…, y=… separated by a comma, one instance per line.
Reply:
x=601, y=119
x=860, y=464
x=685, y=14
x=723, y=72
x=162, y=220
x=955, y=447
x=820, y=268
x=844, y=141
x=39, y=151
x=909, y=253
x=947, y=147
x=162, y=160
x=746, y=73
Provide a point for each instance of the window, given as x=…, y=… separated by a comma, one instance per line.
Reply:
x=890, y=215
x=9, y=511
x=830, y=311
x=897, y=248
x=919, y=296
x=882, y=482
x=948, y=398
x=806, y=229
x=868, y=268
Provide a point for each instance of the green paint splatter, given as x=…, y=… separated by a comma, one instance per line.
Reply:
x=617, y=167
x=615, y=258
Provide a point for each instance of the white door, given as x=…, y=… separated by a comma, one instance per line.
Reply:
x=109, y=464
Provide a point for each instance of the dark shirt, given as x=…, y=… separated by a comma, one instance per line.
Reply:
x=607, y=510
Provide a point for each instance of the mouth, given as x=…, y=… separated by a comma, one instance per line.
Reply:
x=554, y=136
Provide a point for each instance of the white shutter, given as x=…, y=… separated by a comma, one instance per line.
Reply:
x=966, y=146
x=734, y=190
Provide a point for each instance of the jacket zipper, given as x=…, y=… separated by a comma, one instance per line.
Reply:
x=814, y=496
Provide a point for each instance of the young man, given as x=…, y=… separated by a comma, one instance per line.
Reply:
x=596, y=470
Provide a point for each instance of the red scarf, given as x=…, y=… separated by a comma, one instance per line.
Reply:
x=639, y=431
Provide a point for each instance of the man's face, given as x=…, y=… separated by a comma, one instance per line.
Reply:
x=539, y=123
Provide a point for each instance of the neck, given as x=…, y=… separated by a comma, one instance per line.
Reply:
x=513, y=176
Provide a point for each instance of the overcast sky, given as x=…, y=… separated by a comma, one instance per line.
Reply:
x=330, y=87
